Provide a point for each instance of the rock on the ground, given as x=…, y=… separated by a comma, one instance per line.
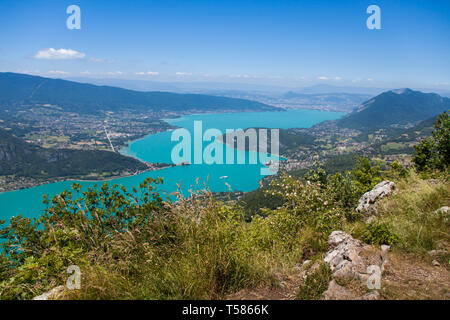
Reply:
x=435, y=263
x=52, y=294
x=337, y=292
x=374, y=295
x=306, y=262
x=349, y=259
x=337, y=237
x=437, y=253
x=343, y=258
x=368, y=202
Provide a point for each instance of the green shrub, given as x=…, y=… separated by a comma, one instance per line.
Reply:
x=343, y=191
x=365, y=175
x=379, y=233
x=396, y=171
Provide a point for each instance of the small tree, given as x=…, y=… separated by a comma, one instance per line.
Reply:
x=365, y=175
x=441, y=136
x=434, y=152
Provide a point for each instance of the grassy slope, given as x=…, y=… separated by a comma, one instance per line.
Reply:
x=258, y=257
x=201, y=249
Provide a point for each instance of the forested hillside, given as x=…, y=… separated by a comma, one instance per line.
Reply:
x=17, y=89
x=26, y=160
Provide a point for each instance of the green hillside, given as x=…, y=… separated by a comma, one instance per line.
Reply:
x=25, y=160
x=396, y=107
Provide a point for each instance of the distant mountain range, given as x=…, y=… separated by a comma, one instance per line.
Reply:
x=87, y=98
x=395, y=107
x=20, y=158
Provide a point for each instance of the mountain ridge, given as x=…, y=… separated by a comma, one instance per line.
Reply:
x=88, y=98
x=395, y=107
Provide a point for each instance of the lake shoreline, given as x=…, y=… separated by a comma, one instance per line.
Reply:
x=33, y=184
x=157, y=148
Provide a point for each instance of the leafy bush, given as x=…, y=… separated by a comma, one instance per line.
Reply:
x=379, y=233
x=308, y=202
x=366, y=175
x=343, y=190
x=397, y=171
x=317, y=174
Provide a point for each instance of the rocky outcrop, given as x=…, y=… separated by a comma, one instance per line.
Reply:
x=368, y=202
x=349, y=259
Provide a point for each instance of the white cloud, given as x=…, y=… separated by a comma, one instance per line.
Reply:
x=85, y=72
x=337, y=78
x=58, y=72
x=60, y=54
x=183, y=74
x=114, y=73
x=239, y=76
x=150, y=73
x=322, y=78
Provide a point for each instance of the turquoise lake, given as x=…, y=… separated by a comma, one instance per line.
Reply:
x=158, y=148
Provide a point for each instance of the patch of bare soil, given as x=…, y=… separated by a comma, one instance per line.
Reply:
x=410, y=277
x=285, y=288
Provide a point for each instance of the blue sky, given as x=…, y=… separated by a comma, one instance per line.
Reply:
x=295, y=43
